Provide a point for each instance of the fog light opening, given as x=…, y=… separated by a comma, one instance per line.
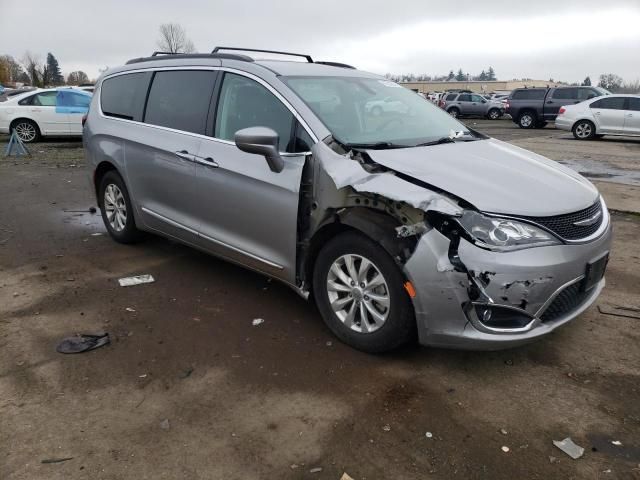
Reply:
x=499, y=317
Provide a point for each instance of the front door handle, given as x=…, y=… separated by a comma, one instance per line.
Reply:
x=207, y=162
x=183, y=154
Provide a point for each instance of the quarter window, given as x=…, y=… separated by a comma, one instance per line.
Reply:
x=451, y=97
x=123, y=96
x=245, y=103
x=587, y=93
x=44, y=99
x=634, y=104
x=180, y=99
x=465, y=97
x=477, y=98
x=609, y=103
x=565, y=94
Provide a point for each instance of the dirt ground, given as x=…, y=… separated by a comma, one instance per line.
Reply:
x=190, y=389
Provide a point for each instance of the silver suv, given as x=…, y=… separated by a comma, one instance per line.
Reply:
x=397, y=225
x=472, y=104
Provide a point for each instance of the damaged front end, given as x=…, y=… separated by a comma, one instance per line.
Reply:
x=476, y=280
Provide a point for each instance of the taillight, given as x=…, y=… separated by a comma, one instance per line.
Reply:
x=561, y=111
x=84, y=119
x=506, y=104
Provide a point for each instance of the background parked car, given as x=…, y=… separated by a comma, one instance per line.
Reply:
x=385, y=105
x=54, y=111
x=534, y=107
x=594, y=118
x=472, y=104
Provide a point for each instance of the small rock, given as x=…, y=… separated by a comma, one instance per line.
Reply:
x=387, y=428
x=428, y=435
x=129, y=309
x=552, y=459
x=164, y=424
x=293, y=466
x=503, y=431
x=617, y=443
x=257, y=321
x=508, y=362
x=329, y=344
x=92, y=210
x=315, y=470
x=505, y=449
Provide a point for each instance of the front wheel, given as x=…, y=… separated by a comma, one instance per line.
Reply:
x=454, y=112
x=26, y=130
x=584, y=130
x=494, y=114
x=360, y=293
x=117, y=212
x=527, y=120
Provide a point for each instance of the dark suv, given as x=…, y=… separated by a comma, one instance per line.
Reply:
x=534, y=107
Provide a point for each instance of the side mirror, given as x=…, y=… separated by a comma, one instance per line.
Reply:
x=261, y=141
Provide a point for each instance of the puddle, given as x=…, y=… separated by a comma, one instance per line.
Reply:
x=602, y=171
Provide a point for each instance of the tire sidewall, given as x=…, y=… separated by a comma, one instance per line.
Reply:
x=399, y=328
x=130, y=233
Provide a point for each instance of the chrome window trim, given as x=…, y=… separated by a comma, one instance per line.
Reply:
x=598, y=233
x=251, y=76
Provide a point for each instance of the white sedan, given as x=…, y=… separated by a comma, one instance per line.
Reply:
x=596, y=117
x=46, y=112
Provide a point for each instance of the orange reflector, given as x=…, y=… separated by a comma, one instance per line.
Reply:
x=410, y=290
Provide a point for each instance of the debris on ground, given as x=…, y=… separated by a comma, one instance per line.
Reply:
x=346, y=476
x=56, y=460
x=387, y=428
x=552, y=459
x=570, y=448
x=165, y=425
x=428, y=435
x=617, y=443
x=129, y=309
x=293, y=466
x=503, y=431
x=329, y=344
x=96, y=234
x=257, y=321
x=620, y=311
x=315, y=470
x=83, y=342
x=505, y=449
x=137, y=280
x=186, y=373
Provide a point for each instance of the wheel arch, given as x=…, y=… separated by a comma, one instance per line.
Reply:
x=22, y=117
x=100, y=171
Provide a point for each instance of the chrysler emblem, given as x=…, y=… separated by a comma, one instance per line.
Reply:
x=588, y=221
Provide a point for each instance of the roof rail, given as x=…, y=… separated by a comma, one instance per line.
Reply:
x=162, y=56
x=337, y=64
x=307, y=57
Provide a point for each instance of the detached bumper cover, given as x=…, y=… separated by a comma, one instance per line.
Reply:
x=527, y=281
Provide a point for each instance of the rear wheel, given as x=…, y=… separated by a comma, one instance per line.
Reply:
x=117, y=212
x=454, y=112
x=527, y=119
x=360, y=293
x=584, y=130
x=26, y=130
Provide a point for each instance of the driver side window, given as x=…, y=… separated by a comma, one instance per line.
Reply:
x=244, y=103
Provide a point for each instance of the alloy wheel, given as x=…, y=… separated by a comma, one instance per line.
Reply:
x=526, y=120
x=584, y=130
x=115, y=207
x=358, y=293
x=493, y=115
x=26, y=131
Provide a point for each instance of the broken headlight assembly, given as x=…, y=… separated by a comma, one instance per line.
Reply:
x=503, y=234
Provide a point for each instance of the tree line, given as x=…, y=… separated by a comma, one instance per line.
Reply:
x=31, y=70
x=485, y=75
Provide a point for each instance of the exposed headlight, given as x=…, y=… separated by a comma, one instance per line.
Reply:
x=504, y=233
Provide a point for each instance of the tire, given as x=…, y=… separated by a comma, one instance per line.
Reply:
x=494, y=114
x=117, y=212
x=27, y=130
x=454, y=112
x=389, y=323
x=527, y=119
x=584, y=130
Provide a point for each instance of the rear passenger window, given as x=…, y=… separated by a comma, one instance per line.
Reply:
x=609, y=103
x=451, y=97
x=587, y=93
x=123, y=96
x=180, y=99
x=465, y=97
x=245, y=103
x=634, y=104
x=529, y=94
x=565, y=94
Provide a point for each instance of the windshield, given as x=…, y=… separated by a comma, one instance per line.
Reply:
x=369, y=111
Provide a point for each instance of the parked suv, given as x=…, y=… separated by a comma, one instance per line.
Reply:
x=472, y=104
x=398, y=224
x=534, y=107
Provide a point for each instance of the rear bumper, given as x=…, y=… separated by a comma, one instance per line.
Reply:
x=564, y=123
x=525, y=281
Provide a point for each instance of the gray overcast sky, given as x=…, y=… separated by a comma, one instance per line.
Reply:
x=563, y=39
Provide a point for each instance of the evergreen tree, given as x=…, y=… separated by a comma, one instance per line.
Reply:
x=460, y=76
x=491, y=75
x=53, y=70
x=586, y=82
x=483, y=76
x=451, y=76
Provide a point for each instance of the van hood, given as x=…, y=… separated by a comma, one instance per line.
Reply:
x=494, y=176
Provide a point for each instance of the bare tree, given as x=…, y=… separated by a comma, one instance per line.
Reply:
x=77, y=78
x=33, y=66
x=173, y=39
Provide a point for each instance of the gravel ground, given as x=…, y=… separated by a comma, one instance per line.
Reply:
x=190, y=389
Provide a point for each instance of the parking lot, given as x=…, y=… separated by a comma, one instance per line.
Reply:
x=190, y=388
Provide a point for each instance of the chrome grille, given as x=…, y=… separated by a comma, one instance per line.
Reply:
x=564, y=225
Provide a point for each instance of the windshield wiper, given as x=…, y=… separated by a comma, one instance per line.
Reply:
x=376, y=145
x=447, y=139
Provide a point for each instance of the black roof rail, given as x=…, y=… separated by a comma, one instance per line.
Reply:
x=225, y=56
x=337, y=64
x=238, y=49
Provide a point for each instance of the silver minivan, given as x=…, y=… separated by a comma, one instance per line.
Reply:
x=399, y=224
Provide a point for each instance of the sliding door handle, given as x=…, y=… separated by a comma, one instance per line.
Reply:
x=207, y=161
x=183, y=154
